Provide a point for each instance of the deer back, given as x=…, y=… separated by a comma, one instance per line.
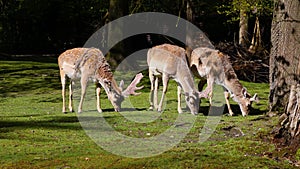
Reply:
x=80, y=61
x=166, y=58
x=171, y=59
x=213, y=63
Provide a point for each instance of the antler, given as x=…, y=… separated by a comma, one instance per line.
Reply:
x=132, y=87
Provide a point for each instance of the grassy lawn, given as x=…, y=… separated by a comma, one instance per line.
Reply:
x=34, y=133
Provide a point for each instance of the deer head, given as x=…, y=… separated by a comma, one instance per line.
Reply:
x=192, y=101
x=116, y=94
x=246, y=101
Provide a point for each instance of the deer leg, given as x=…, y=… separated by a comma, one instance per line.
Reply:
x=71, y=96
x=226, y=94
x=210, y=95
x=83, y=91
x=179, y=99
x=155, y=93
x=63, y=92
x=151, y=77
x=98, y=90
x=209, y=89
x=165, y=80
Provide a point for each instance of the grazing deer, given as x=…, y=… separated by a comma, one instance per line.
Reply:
x=169, y=61
x=216, y=68
x=89, y=64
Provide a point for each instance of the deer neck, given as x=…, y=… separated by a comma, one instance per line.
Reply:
x=184, y=78
x=231, y=81
x=115, y=87
x=104, y=74
x=235, y=88
x=110, y=86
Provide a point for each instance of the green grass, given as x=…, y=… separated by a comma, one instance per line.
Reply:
x=35, y=134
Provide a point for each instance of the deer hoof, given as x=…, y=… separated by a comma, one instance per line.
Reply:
x=194, y=113
x=159, y=110
x=71, y=109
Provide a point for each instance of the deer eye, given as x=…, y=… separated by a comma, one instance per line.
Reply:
x=199, y=61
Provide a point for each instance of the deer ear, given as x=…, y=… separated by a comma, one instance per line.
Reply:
x=121, y=85
x=254, y=98
x=244, y=92
x=108, y=84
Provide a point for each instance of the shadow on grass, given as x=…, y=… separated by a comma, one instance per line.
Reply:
x=50, y=129
x=34, y=58
x=9, y=127
x=133, y=109
x=49, y=122
x=235, y=109
x=23, y=76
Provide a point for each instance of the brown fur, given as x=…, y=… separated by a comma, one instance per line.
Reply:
x=89, y=63
x=174, y=50
x=104, y=71
x=215, y=66
x=169, y=61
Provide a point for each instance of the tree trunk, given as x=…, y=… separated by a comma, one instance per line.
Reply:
x=194, y=38
x=256, y=38
x=243, y=32
x=285, y=71
x=284, y=57
x=189, y=11
x=117, y=9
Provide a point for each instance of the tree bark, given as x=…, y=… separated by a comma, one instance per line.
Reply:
x=243, y=32
x=285, y=51
x=285, y=72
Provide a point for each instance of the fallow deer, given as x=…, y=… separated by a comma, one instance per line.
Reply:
x=90, y=64
x=216, y=68
x=169, y=61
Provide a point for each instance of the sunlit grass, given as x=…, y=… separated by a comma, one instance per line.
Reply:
x=34, y=133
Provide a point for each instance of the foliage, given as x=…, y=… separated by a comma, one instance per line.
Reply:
x=35, y=134
x=232, y=8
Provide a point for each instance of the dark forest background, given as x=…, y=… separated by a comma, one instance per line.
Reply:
x=52, y=26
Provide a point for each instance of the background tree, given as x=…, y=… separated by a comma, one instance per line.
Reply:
x=244, y=12
x=285, y=70
x=117, y=9
x=39, y=26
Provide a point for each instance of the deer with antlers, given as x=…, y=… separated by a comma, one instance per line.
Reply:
x=169, y=61
x=216, y=68
x=90, y=64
